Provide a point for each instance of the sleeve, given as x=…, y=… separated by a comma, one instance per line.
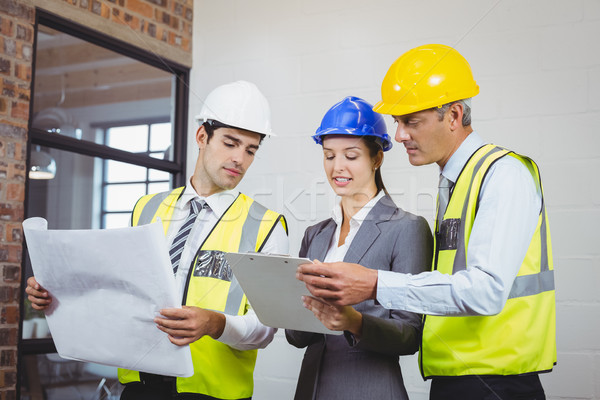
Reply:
x=400, y=333
x=278, y=242
x=507, y=216
x=246, y=332
x=302, y=339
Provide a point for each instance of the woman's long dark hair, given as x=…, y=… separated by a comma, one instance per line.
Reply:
x=374, y=148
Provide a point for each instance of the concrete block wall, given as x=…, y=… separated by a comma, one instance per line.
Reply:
x=538, y=68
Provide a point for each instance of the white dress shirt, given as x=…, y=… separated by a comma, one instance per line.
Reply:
x=504, y=225
x=242, y=332
x=337, y=253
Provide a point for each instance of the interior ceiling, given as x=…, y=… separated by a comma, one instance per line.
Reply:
x=70, y=72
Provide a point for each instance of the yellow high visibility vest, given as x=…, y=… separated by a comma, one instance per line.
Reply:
x=522, y=337
x=219, y=370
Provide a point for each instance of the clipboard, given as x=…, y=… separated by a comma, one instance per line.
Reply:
x=275, y=294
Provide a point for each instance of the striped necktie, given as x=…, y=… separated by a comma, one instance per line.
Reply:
x=184, y=232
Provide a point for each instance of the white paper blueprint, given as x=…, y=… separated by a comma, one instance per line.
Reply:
x=107, y=287
x=274, y=292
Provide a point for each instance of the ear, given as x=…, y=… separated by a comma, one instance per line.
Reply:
x=378, y=160
x=455, y=113
x=201, y=137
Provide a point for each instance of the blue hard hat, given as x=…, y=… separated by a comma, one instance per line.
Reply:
x=353, y=116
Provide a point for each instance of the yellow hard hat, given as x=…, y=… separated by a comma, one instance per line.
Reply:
x=425, y=77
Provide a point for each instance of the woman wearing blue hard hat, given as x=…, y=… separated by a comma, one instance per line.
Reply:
x=366, y=227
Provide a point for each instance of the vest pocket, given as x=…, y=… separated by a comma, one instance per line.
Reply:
x=447, y=237
x=212, y=264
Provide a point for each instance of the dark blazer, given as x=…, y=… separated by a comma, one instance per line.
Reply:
x=333, y=366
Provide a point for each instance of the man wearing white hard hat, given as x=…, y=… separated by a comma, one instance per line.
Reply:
x=203, y=220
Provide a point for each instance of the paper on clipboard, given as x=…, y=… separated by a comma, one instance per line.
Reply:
x=107, y=286
x=274, y=292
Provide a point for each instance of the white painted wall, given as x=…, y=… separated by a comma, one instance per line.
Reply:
x=538, y=65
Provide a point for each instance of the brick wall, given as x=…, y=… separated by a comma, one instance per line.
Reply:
x=16, y=41
x=166, y=21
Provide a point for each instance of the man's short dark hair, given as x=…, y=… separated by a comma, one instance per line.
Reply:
x=211, y=125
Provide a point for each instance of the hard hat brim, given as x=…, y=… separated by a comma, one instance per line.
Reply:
x=385, y=141
x=200, y=119
x=403, y=109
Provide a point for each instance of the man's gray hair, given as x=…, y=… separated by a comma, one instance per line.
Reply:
x=466, y=103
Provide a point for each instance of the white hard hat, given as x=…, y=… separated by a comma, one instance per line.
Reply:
x=240, y=105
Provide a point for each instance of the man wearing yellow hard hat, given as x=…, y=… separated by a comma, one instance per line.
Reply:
x=489, y=301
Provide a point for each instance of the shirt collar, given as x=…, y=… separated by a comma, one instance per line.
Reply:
x=460, y=157
x=218, y=202
x=359, y=217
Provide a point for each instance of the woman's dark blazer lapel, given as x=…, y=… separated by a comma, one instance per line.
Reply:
x=320, y=242
x=369, y=231
x=383, y=211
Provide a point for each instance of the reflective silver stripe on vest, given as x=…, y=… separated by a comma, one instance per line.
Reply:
x=151, y=207
x=544, y=239
x=247, y=244
x=529, y=285
x=234, y=297
x=525, y=285
x=460, y=258
x=251, y=227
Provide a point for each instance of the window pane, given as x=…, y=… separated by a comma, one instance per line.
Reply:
x=123, y=197
x=120, y=220
x=156, y=175
x=160, y=137
x=51, y=377
x=70, y=200
x=129, y=138
x=159, y=187
x=80, y=87
x=122, y=172
x=34, y=322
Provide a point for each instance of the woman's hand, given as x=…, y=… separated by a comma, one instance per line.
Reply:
x=336, y=318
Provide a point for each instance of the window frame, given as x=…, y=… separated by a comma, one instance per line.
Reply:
x=177, y=167
x=105, y=126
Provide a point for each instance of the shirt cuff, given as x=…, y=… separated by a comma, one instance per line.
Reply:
x=391, y=289
x=234, y=331
x=245, y=332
